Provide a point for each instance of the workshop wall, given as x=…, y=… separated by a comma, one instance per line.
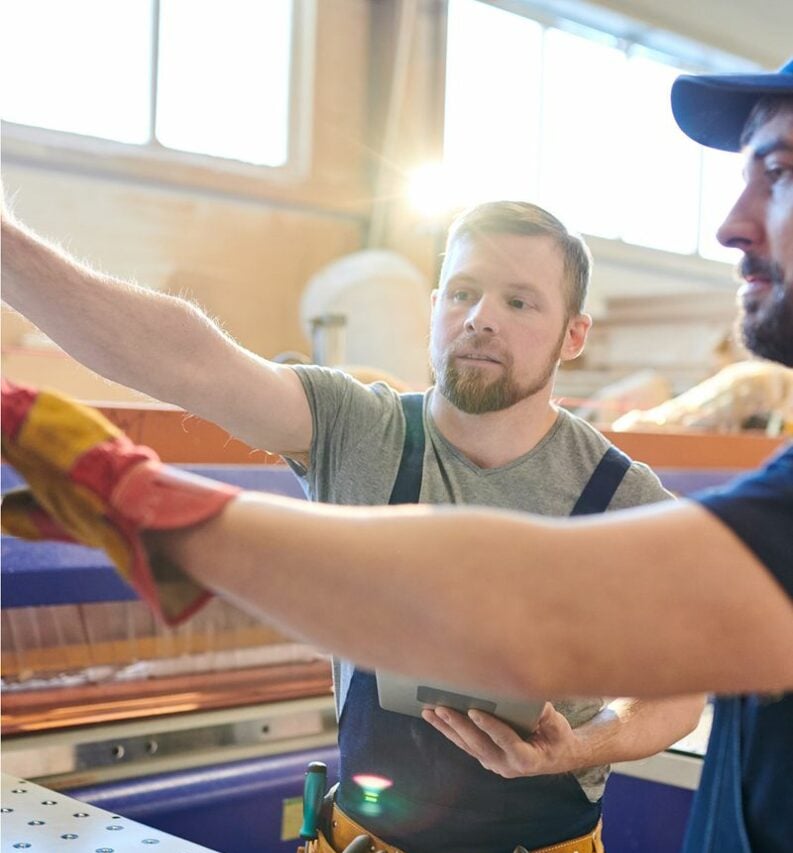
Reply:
x=244, y=246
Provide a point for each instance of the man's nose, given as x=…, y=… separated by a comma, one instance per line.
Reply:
x=743, y=228
x=482, y=316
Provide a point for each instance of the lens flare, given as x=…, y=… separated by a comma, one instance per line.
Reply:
x=372, y=786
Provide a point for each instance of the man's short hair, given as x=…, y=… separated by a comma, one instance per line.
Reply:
x=521, y=217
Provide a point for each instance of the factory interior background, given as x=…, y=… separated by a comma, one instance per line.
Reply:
x=292, y=166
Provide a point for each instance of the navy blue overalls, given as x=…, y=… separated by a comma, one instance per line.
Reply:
x=456, y=799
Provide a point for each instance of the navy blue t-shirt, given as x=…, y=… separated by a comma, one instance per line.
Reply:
x=758, y=508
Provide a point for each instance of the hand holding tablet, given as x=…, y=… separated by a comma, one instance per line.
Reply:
x=406, y=695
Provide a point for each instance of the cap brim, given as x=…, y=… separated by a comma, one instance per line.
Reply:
x=713, y=110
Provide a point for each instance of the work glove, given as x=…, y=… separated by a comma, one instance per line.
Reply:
x=88, y=483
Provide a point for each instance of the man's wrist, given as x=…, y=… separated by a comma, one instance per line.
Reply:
x=585, y=746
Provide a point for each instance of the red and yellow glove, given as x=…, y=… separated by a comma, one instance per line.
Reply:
x=88, y=483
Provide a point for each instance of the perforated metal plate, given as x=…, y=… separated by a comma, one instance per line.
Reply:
x=44, y=821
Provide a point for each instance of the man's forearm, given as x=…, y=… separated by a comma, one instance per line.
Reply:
x=113, y=327
x=630, y=729
x=652, y=602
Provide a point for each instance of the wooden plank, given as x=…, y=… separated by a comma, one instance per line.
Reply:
x=696, y=450
x=183, y=438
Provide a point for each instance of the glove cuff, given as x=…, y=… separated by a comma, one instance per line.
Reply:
x=153, y=496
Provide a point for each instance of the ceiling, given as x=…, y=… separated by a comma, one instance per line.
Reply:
x=761, y=30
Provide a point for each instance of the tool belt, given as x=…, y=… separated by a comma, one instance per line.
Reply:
x=592, y=842
x=340, y=831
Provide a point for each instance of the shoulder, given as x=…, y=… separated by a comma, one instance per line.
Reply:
x=640, y=485
x=769, y=489
x=358, y=437
x=572, y=427
x=334, y=386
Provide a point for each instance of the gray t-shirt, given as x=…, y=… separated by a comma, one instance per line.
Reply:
x=358, y=433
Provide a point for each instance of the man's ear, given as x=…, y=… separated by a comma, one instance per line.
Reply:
x=575, y=337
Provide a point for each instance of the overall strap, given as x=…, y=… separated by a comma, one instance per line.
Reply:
x=603, y=483
x=407, y=486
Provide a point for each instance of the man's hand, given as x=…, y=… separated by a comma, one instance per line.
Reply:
x=88, y=483
x=554, y=746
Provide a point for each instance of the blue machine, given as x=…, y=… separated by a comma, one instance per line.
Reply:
x=242, y=807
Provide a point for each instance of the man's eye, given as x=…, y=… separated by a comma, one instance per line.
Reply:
x=774, y=173
x=461, y=295
x=519, y=304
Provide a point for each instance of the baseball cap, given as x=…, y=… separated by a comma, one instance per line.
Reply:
x=712, y=108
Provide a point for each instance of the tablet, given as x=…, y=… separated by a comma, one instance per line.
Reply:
x=408, y=696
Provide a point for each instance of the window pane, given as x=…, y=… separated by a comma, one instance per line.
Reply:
x=661, y=167
x=492, y=102
x=81, y=66
x=583, y=122
x=722, y=183
x=224, y=74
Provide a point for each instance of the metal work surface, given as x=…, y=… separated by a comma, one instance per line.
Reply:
x=37, y=819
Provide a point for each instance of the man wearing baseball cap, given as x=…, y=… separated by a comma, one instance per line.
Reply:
x=746, y=793
x=656, y=601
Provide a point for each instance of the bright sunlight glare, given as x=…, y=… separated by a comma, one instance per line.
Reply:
x=432, y=192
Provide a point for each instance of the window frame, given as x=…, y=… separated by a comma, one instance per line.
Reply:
x=30, y=145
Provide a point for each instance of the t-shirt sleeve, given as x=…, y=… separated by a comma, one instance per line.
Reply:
x=357, y=438
x=758, y=508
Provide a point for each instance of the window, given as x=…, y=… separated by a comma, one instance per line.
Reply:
x=492, y=99
x=579, y=120
x=82, y=67
x=203, y=76
x=579, y=157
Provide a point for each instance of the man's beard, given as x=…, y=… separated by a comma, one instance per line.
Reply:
x=469, y=390
x=767, y=327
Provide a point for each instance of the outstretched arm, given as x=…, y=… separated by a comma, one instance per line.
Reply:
x=156, y=343
x=654, y=601
x=625, y=730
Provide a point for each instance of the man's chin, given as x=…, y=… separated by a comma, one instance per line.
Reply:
x=767, y=331
x=477, y=397
x=769, y=349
